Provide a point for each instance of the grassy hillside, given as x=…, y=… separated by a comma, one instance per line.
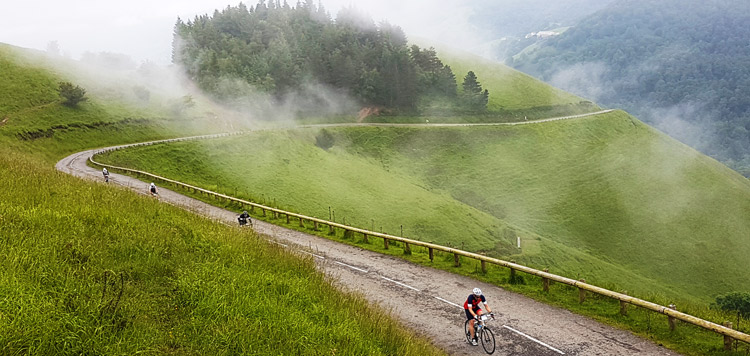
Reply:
x=94, y=269
x=512, y=91
x=607, y=198
x=89, y=268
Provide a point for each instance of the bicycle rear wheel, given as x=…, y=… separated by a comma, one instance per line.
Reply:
x=467, y=332
x=488, y=340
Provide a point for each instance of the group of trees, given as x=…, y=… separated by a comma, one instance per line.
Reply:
x=658, y=55
x=281, y=49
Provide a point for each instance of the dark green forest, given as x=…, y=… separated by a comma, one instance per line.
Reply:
x=684, y=58
x=280, y=49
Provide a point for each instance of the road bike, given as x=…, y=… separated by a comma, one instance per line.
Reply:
x=483, y=332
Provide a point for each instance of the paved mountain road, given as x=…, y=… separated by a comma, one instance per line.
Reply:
x=428, y=301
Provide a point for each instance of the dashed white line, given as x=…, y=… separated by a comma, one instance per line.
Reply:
x=401, y=284
x=449, y=302
x=352, y=267
x=312, y=254
x=533, y=339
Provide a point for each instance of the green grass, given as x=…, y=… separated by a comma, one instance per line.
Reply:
x=190, y=285
x=509, y=89
x=607, y=199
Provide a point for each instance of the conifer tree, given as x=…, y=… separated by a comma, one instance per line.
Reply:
x=474, y=98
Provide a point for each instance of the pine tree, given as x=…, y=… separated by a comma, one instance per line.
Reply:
x=473, y=97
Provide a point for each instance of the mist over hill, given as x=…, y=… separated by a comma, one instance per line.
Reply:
x=508, y=26
x=681, y=66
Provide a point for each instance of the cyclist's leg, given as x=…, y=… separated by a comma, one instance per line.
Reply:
x=471, y=320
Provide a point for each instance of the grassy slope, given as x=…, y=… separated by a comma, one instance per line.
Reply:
x=606, y=198
x=190, y=286
x=509, y=89
x=288, y=167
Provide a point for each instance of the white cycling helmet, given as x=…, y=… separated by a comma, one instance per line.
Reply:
x=477, y=291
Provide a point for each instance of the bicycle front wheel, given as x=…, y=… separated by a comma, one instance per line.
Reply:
x=488, y=340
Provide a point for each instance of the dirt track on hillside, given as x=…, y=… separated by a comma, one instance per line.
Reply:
x=426, y=300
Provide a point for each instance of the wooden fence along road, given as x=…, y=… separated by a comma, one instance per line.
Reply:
x=672, y=314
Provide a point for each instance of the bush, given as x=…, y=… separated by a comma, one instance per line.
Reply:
x=72, y=95
x=324, y=140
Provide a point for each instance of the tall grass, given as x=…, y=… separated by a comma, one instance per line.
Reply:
x=91, y=269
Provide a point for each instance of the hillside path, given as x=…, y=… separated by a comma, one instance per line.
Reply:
x=426, y=300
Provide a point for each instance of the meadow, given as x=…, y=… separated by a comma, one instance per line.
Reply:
x=607, y=198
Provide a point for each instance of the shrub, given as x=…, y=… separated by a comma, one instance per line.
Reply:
x=72, y=95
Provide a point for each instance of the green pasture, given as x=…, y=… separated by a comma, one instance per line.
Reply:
x=510, y=90
x=607, y=198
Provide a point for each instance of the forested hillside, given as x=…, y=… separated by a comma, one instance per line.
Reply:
x=682, y=66
x=291, y=50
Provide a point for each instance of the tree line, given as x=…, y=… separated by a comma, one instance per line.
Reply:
x=281, y=49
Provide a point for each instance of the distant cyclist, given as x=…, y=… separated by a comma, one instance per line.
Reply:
x=244, y=218
x=473, y=311
x=152, y=189
x=105, y=173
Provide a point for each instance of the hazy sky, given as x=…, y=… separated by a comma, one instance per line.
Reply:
x=143, y=29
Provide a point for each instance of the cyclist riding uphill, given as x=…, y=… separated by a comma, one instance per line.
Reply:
x=473, y=311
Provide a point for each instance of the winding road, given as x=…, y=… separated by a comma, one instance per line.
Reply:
x=426, y=300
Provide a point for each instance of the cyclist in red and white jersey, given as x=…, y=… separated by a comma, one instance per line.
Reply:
x=473, y=311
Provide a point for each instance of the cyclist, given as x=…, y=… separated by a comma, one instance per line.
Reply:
x=244, y=218
x=105, y=173
x=473, y=311
x=152, y=189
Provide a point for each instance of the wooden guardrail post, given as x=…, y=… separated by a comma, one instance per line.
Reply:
x=545, y=281
x=581, y=293
x=624, y=305
x=287, y=218
x=484, y=267
x=315, y=225
x=456, y=260
x=330, y=229
x=385, y=243
x=264, y=212
x=301, y=222
x=407, y=249
x=671, y=320
x=364, y=237
x=432, y=253
x=728, y=339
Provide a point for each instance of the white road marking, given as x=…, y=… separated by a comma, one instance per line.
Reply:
x=352, y=267
x=533, y=339
x=312, y=254
x=449, y=302
x=401, y=284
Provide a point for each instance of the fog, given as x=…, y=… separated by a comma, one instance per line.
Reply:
x=143, y=29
